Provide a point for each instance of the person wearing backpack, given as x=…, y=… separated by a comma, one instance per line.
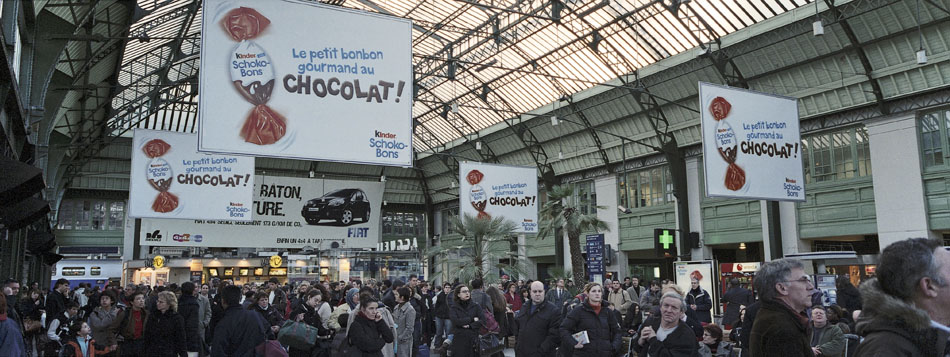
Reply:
x=467, y=318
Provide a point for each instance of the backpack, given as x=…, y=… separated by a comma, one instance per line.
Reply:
x=490, y=325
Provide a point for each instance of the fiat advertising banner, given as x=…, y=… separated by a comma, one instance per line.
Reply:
x=751, y=144
x=169, y=179
x=288, y=213
x=498, y=190
x=302, y=80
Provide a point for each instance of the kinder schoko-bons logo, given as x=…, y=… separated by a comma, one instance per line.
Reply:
x=248, y=55
x=386, y=144
x=380, y=134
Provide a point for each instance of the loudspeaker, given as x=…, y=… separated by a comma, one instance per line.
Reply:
x=22, y=213
x=18, y=181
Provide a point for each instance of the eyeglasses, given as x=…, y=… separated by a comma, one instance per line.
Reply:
x=804, y=279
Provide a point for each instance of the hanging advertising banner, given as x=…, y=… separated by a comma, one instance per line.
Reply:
x=487, y=190
x=701, y=271
x=288, y=213
x=303, y=80
x=169, y=179
x=751, y=144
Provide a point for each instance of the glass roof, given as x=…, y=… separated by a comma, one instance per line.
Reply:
x=492, y=60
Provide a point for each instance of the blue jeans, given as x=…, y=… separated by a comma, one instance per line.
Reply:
x=443, y=330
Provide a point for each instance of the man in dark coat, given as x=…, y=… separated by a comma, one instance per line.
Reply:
x=699, y=301
x=668, y=335
x=240, y=330
x=905, y=307
x=188, y=309
x=734, y=298
x=56, y=301
x=558, y=295
x=536, y=325
x=780, y=329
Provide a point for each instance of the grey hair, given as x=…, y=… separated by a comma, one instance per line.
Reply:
x=774, y=272
x=904, y=263
x=676, y=296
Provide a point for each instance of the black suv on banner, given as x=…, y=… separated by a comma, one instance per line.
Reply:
x=340, y=205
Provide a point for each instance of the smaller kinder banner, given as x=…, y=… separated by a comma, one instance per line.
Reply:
x=169, y=179
x=751, y=144
x=301, y=80
x=497, y=190
x=288, y=213
x=701, y=271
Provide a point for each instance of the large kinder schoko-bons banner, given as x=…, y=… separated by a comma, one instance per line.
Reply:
x=751, y=144
x=302, y=80
x=169, y=179
x=497, y=190
x=288, y=213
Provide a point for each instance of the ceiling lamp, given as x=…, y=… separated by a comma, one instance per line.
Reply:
x=742, y=246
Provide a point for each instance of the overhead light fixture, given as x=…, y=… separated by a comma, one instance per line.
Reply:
x=623, y=209
x=921, y=52
x=742, y=246
x=560, y=155
x=554, y=121
x=816, y=27
x=452, y=184
x=385, y=203
x=921, y=56
x=312, y=174
x=382, y=178
x=455, y=107
x=478, y=145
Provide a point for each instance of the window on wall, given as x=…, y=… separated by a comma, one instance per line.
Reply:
x=404, y=224
x=585, y=197
x=934, y=133
x=837, y=155
x=646, y=188
x=447, y=216
x=91, y=215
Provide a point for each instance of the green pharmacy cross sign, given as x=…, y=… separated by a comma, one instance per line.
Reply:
x=664, y=242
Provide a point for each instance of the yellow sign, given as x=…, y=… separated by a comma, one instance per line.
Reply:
x=276, y=261
x=158, y=262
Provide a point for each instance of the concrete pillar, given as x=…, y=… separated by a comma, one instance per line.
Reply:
x=608, y=197
x=695, y=194
x=898, y=186
x=791, y=243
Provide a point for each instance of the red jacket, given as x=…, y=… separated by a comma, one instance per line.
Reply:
x=72, y=349
x=514, y=301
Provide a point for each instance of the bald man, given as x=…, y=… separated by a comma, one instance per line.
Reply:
x=537, y=325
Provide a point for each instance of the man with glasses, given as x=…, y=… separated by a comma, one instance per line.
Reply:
x=667, y=335
x=780, y=329
x=537, y=324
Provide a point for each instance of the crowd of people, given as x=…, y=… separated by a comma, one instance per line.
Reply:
x=901, y=312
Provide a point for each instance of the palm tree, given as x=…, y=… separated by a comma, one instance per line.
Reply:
x=485, y=241
x=558, y=213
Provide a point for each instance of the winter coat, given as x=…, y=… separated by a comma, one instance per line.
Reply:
x=388, y=319
x=650, y=300
x=101, y=323
x=442, y=305
x=635, y=292
x=537, y=331
x=831, y=342
x=734, y=298
x=271, y=314
x=165, y=334
x=725, y=349
x=482, y=299
x=280, y=301
x=849, y=298
x=680, y=342
x=751, y=312
x=72, y=349
x=389, y=299
x=893, y=327
x=603, y=330
x=11, y=339
x=514, y=301
x=404, y=317
x=620, y=299
x=238, y=332
x=55, y=304
x=125, y=324
x=700, y=297
x=204, y=313
x=311, y=316
x=368, y=337
x=188, y=308
x=552, y=297
x=463, y=313
x=778, y=331
x=335, y=315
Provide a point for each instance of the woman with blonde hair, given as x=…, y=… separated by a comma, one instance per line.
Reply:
x=165, y=329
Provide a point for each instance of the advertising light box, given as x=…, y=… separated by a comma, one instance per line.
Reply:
x=487, y=190
x=288, y=213
x=751, y=144
x=302, y=80
x=703, y=272
x=169, y=179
